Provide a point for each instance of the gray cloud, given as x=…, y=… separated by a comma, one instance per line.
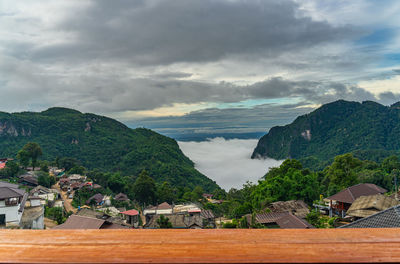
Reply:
x=164, y=32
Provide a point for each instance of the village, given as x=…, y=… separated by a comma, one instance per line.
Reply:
x=28, y=205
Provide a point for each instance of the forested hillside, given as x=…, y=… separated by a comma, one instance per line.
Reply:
x=100, y=143
x=369, y=130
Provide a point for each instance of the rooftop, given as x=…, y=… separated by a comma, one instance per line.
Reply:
x=349, y=195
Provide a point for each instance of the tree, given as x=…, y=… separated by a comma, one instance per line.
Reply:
x=31, y=151
x=45, y=179
x=144, y=188
x=166, y=193
x=163, y=222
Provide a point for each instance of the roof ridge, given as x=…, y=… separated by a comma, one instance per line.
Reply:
x=374, y=215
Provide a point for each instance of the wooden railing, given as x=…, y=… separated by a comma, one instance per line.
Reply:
x=200, y=246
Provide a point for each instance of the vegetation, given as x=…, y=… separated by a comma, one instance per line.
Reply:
x=74, y=140
x=368, y=130
x=163, y=222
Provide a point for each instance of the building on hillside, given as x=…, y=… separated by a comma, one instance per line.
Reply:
x=12, y=204
x=365, y=206
x=83, y=222
x=296, y=207
x=178, y=221
x=267, y=219
x=389, y=218
x=97, y=199
x=131, y=217
x=184, y=208
x=161, y=209
x=47, y=196
x=208, y=219
x=33, y=215
x=3, y=162
x=339, y=203
x=292, y=221
x=76, y=178
x=29, y=179
x=121, y=197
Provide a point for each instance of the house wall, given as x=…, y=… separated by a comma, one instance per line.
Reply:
x=11, y=212
x=165, y=211
x=35, y=202
x=146, y=211
x=38, y=223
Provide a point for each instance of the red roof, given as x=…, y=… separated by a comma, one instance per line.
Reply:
x=2, y=165
x=194, y=211
x=130, y=212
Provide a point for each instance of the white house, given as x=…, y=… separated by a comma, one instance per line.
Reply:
x=12, y=202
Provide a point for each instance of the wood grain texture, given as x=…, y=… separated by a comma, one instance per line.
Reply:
x=200, y=246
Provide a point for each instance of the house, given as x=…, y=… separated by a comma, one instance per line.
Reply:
x=97, y=199
x=83, y=222
x=208, y=218
x=365, y=206
x=293, y=221
x=121, y=197
x=47, y=196
x=184, y=208
x=12, y=204
x=161, y=209
x=178, y=221
x=339, y=203
x=296, y=207
x=76, y=178
x=3, y=162
x=208, y=196
x=33, y=215
x=269, y=219
x=29, y=179
x=131, y=217
x=385, y=219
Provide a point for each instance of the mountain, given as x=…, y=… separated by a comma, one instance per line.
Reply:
x=100, y=142
x=368, y=129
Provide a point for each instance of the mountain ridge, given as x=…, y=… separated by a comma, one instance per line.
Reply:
x=100, y=142
x=333, y=129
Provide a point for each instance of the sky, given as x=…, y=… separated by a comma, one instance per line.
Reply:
x=228, y=161
x=198, y=67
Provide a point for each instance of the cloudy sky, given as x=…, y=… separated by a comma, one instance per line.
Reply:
x=203, y=66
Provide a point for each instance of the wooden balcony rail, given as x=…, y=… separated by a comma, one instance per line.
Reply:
x=200, y=246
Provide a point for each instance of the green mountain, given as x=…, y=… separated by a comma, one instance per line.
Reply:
x=102, y=143
x=369, y=130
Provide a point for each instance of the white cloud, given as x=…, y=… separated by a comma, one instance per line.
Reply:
x=227, y=161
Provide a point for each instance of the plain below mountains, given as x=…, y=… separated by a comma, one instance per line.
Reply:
x=102, y=143
x=369, y=130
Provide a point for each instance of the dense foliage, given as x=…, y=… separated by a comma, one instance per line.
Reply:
x=74, y=140
x=368, y=129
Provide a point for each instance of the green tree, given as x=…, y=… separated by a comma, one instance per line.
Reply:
x=163, y=222
x=144, y=188
x=45, y=179
x=33, y=151
x=166, y=193
x=23, y=157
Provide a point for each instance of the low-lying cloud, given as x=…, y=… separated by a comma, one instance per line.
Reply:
x=227, y=162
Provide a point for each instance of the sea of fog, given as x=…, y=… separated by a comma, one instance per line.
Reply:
x=228, y=162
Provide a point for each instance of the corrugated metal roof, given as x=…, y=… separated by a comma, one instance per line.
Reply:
x=349, y=195
x=81, y=222
x=292, y=221
x=268, y=218
x=385, y=219
x=296, y=207
x=365, y=206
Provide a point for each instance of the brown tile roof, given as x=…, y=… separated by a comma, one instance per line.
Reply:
x=268, y=218
x=292, y=221
x=365, y=206
x=349, y=195
x=81, y=222
x=164, y=206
